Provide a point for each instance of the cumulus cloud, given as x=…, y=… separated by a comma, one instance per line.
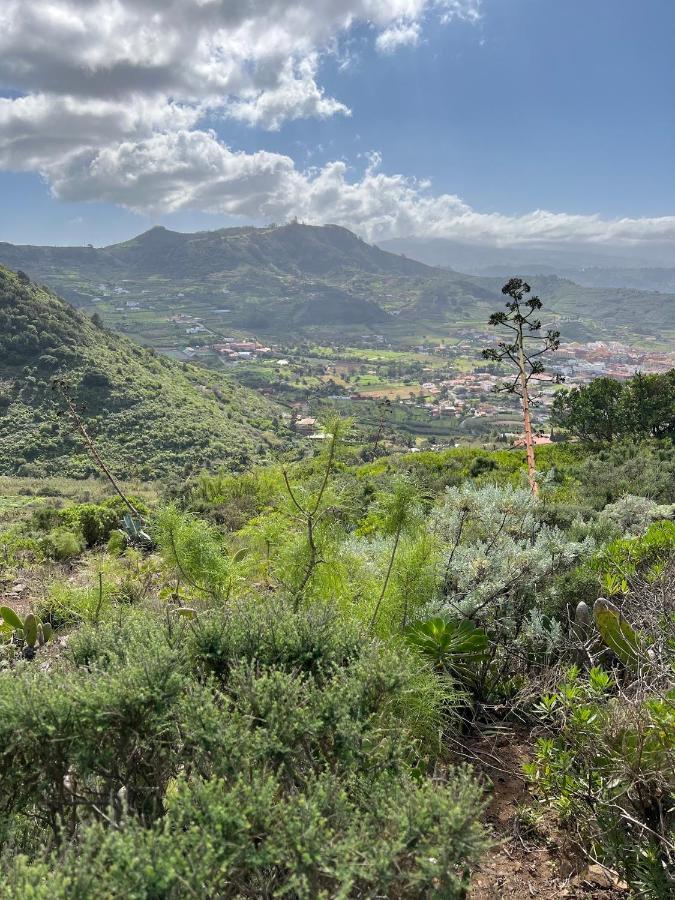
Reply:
x=192, y=169
x=295, y=96
x=41, y=130
x=186, y=48
x=85, y=73
x=107, y=100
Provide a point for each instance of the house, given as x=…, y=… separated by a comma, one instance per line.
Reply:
x=306, y=425
x=538, y=439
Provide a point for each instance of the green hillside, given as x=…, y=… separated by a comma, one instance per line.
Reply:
x=274, y=280
x=290, y=249
x=283, y=280
x=150, y=416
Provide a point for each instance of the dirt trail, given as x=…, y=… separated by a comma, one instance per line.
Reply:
x=527, y=862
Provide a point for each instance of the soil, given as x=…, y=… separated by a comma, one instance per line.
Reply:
x=527, y=862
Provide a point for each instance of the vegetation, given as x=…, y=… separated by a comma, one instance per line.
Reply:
x=154, y=417
x=608, y=410
x=281, y=280
x=267, y=683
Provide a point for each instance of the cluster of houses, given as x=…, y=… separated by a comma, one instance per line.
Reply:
x=233, y=349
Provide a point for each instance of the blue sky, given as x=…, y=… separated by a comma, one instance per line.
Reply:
x=507, y=108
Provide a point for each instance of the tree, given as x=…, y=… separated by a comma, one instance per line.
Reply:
x=523, y=350
x=592, y=413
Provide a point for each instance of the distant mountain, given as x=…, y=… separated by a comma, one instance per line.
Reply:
x=310, y=251
x=288, y=249
x=150, y=416
x=640, y=279
x=275, y=279
x=561, y=258
x=299, y=280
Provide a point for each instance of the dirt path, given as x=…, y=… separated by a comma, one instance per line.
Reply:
x=529, y=859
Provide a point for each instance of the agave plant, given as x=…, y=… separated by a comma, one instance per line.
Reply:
x=457, y=646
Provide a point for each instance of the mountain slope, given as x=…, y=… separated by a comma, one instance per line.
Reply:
x=281, y=282
x=150, y=416
x=294, y=249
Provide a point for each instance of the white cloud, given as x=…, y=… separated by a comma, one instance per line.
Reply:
x=107, y=100
x=41, y=130
x=191, y=169
x=296, y=95
x=400, y=34
x=187, y=49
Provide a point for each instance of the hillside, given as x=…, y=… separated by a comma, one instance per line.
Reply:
x=151, y=416
x=289, y=249
x=282, y=281
x=275, y=280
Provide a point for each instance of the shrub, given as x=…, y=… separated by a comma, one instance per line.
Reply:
x=62, y=544
x=259, y=752
x=96, y=521
x=245, y=837
x=607, y=766
x=634, y=514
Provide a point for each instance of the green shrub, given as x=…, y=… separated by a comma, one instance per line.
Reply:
x=62, y=544
x=117, y=543
x=257, y=752
x=97, y=521
x=607, y=766
x=245, y=837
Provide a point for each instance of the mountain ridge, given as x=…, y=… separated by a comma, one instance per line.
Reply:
x=295, y=279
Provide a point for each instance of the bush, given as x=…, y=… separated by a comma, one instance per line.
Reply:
x=62, y=544
x=607, y=767
x=96, y=521
x=257, y=753
x=634, y=515
x=247, y=838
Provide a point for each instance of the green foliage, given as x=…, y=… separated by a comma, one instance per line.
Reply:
x=96, y=521
x=28, y=632
x=620, y=561
x=606, y=764
x=616, y=633
x=605, y=409
x=149, y=417
x=458, y=647
x=226, y=839
x=62, y=544
x=643, y=469
x=196, y=553
x=255, y=750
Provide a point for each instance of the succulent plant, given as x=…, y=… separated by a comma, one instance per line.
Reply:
x=616, y=633
x=29, y=632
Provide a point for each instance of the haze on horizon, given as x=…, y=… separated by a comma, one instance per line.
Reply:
x=524, y=127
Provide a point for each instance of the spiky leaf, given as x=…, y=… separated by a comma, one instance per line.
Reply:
x=458, y=646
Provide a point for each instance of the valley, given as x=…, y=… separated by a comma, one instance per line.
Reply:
x=316, y=319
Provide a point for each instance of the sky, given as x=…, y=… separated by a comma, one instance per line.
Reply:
x=497, y=123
